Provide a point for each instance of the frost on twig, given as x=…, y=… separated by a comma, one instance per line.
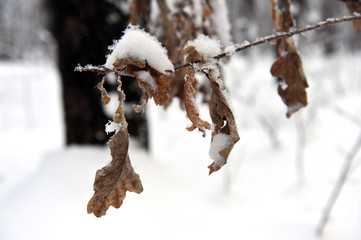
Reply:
x=278, y=35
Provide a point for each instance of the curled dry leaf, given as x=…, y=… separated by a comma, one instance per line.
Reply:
x=289, y=65
x=105, y=97
x=179, y=24
x=354, y=6
x=290, y=68
x=191, y=108
x=192, y=55
x=112, y=181
x=155, y=84
x=223, y=121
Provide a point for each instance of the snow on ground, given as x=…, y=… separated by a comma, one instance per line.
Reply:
x=30, y=118
x=259, y=194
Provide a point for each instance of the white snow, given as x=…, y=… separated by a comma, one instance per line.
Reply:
x=294, y=108
x=112, y=126
x=44, y=189
x=138, y=44
x=205, y=46
x=144, y=76
x=219, y=142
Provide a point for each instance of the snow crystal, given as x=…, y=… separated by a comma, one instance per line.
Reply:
x=230, y=50
x=144, y=76
x=112, y=127
x=205, y=46
x=219, y=142
x=136, y=43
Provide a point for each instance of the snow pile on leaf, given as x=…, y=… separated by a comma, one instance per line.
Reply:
x=204, y=46
x=138, y=44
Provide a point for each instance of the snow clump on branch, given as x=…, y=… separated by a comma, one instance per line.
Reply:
x=205, y=46
x=138, y=44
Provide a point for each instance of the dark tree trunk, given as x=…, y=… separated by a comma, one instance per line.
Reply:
x=83, y=31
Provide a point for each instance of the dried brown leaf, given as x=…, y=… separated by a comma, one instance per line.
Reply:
x=130, y=65
x=354, y=6
x=105, y=97
x=289, y=65
x=290, y=68
x=112, y=181
x=137, y=8
x=288, y=21
x=191, y=108
x=223, y=121
x=192, y=55
x=283, y=20
x=276, y=16
x=177, y=29
x=159, y=92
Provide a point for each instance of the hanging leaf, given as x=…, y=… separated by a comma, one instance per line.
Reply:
x=191, y=108
x=289, y=65
x=105, y=97
x=112, y=181
x=136, y=9
x=290, y=68
x=225, y=134
x=152, y=81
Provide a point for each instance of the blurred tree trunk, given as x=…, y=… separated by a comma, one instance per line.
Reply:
x=83, y=31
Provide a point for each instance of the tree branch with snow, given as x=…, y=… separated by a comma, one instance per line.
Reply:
x=168, y=69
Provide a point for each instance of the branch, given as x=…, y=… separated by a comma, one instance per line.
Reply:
x=338, y=186
x=328, y=22
x=100, y=70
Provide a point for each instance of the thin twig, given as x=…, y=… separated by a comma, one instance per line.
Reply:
x=338, y=186
x=276, y=36
x=328, y=22
x=349, y=116
x=101, y=70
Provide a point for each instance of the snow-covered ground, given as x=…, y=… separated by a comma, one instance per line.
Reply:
x=275, y=186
